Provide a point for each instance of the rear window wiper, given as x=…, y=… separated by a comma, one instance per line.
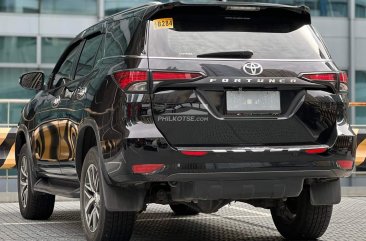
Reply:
x=247, y=54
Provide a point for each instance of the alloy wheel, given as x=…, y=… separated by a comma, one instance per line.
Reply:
x=23, y=181
x=92, y=198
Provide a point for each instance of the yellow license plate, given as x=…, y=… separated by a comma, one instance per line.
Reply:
x=162, y=23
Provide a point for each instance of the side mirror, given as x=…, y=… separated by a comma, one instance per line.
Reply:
x=32, y=80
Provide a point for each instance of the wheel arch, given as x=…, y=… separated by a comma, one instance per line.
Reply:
x=116, y=198
x=22, y=137
x=88, y=137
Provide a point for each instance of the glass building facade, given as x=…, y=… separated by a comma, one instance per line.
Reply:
x=330, y=8
x=360, y=95
x=23, y=50
x=83, y=7
x=87, y=7
x=361, y=8
x=327, y=8
x=19, y=6
x=51, y=48
x=15, y=49
x=334, y=8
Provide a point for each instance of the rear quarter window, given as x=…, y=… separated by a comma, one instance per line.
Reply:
x=119, y=35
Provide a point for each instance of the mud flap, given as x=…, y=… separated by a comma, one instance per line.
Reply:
x=119, y=199
x=325, y=193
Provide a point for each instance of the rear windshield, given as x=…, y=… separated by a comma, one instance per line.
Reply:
x=268, y=36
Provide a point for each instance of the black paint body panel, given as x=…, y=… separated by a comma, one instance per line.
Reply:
x=147, y=127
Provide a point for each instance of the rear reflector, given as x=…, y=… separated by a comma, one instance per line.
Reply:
x=147, y=168
x=316, y=151
x=194, y=153
x=128, y=78
x=161, y=76
x=345, y=164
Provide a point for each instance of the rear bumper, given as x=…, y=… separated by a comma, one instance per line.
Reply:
x=231, y=165
x=266, y=173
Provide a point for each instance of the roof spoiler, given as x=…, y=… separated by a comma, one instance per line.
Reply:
x=302, y=11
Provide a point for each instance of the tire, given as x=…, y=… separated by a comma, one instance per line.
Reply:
x=183, y=209
x=103, y=224
x=33, y=205
x=297, y=219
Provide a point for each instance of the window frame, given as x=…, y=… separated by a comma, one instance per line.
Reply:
x=77, y=44
x=91, y=36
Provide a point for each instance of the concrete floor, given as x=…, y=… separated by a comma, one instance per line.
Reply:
x=232, y=223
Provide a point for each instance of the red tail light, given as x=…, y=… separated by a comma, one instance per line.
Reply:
x=316, y=151
x=128, y=78
x=320, y=77
x=343, y=77
x=147, y=168
x=132, y=80
x=345, y=164
x=329, y=77
x=161, y=76
x=194, y=153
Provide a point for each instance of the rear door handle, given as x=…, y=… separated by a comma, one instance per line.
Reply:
x=56, y=101
x=80, y=92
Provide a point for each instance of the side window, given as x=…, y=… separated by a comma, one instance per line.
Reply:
x=87, y=57
x=119, y=35
x=65, y=69
x=100, y=52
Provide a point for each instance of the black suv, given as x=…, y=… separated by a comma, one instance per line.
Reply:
x=194, y=106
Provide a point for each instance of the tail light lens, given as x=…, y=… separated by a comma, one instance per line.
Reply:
x=161, y=76
x=131, y=80
x=343, y=79
x=329, y=77
x=320, y=77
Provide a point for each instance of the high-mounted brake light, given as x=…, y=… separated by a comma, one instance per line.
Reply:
x=132, y=80
x=194, y=153
x=243, y=8
x=162, y=75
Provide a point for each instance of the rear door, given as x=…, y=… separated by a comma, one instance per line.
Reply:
x=72, y=103
x=242, y=85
